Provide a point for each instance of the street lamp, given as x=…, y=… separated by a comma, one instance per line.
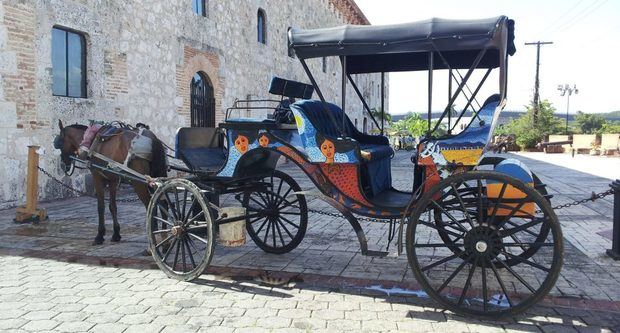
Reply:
x=567, y=90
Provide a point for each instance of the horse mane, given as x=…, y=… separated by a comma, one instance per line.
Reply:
x=79, y=127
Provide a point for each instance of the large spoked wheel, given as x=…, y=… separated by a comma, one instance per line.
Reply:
x=494, y=219
x=180, y=230
x=526, y=253
x=284, y=214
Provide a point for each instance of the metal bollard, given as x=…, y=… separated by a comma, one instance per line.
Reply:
x=614, y=252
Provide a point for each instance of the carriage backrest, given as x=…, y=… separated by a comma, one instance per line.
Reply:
x=320, y=118
x=289, y=88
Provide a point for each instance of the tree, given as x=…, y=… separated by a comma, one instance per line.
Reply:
x=376, y=113
x=412, y=123
x=530, y=132
x=589, y=123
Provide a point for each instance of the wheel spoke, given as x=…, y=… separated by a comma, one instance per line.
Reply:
x=267, y=231
x=162, y=231
x=285, y=228
x=501, y=283
x=290, y=213
x=428, y=224
x=184, y=211
x=164, y=221
x=512, y=231
x=444, y=260
x=461, y=227
x=288, y=204
x=171, y=206
x=174, y=242
x=191, y=256
x=284, y=196
x=484, y=285
x=164, y=241
x=262, y=225
x=176, y=256
x=527, y=231
x=479, y=186
x=499, y=199
x=279, y=232
x=258, y=203
x=519, y=277
x=460, y=199
x=199, y=238
x=525, y=261
x=183, y=254
x=467, y=282
x=436, y=244
x=456, y=271
x=202, y=213
x=289, y=222
x=273, y=232
x=537, y=244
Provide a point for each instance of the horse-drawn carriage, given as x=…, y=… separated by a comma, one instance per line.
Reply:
x=480, y=235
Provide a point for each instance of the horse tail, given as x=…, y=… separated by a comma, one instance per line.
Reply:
x=158, y=164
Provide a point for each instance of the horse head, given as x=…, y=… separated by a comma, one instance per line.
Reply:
x=68, y=142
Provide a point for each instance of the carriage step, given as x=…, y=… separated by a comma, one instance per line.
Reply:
x=373, y=253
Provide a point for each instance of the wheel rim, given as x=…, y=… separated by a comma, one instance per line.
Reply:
x=481, y=270
x=283, y=214
x=180, y=231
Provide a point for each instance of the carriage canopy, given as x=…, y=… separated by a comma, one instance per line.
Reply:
x=404, y=47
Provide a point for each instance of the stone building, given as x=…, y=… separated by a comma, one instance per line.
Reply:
x=148, y=61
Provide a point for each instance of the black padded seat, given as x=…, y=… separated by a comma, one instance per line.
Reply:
x=201, y=148
x=392, y=198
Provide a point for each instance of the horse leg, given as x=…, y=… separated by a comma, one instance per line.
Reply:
x=99, y=184
x=116, y=237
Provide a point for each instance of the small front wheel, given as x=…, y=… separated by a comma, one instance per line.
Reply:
x=180, y=230
x=283, y=214
x=492, y=219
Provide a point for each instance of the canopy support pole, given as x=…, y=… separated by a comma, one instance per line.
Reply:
x=343, y=61
x=484, y=78
x=382, y=100
x=450, y=95
x=430, y=92
x=361, y=97
x=318, y=92
x=460, y=87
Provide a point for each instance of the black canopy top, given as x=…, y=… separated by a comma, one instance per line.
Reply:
x=404, y=47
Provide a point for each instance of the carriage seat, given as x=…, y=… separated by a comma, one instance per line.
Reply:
x=375, y=150
x=200, y=148
x=372, y=147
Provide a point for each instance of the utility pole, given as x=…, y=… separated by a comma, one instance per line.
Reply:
x=537, y=82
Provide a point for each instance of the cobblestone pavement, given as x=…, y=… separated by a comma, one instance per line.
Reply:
x=53, y=279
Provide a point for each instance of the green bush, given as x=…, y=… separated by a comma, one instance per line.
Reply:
x=609, y=128
x=530, y=132
x=589, y=123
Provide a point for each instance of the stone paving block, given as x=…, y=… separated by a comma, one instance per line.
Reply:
x=178, y=329
x=108, y=328
x=273, y=322
x=74, y=326
x=328, y=314
x=294, y=313
x=71, y=317
x=104, y=318
x=132, y=319
x=142, y=328
x=169, y=319
x=40, y=325
x=217, y=329
x=39, y=315
x=9, y=324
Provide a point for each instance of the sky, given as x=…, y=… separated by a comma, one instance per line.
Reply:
x=585, y=51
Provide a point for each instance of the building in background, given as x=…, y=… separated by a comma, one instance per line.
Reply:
x=164, y=63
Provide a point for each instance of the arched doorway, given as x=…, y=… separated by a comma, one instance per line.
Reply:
x=202, y=101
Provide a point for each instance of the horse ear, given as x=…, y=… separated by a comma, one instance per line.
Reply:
x=60, y=124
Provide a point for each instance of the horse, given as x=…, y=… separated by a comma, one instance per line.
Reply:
x=116, y=147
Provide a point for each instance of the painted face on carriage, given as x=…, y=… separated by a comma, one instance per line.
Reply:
x=328, y=149
x=241, y=143
x=263, y=140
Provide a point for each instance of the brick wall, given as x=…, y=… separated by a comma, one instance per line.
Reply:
x=115, y=69
x=19, y=87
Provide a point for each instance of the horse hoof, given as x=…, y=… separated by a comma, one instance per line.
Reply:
x=98, y=241
x=116, y=238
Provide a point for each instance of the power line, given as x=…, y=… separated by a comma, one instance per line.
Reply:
x=561, y=17
x=581, y=15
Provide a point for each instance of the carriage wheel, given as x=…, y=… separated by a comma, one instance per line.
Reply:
x=527, y=253
x=495, y=218
x=184, y=247
x=284, y=224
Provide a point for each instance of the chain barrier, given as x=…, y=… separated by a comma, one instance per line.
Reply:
x=593, y=197
x=76, y=191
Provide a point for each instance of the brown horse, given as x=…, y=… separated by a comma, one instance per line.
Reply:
x=115, y=147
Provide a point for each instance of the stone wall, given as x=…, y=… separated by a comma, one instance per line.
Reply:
x=141, y=56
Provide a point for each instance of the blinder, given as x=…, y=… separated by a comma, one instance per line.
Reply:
x=58, y=142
